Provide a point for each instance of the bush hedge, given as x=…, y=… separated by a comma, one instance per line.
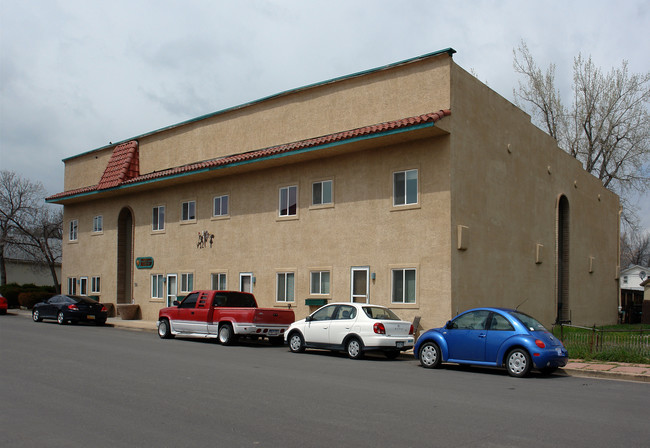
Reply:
x=12, y=291
x=29, y=299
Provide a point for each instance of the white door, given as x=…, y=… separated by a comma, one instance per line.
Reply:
x=172, y=288
x=246, y=282
x=359, y=284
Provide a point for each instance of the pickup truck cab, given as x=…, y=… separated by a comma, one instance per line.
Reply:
x=224, y=315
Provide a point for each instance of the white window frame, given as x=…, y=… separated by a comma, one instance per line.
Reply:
x=98, y=224
x=285, y=195
x=221, y=213
x=83, y=286
x=187, y=282
x=242, y=276
x=322, y=184
x=73, y=230
x=158, y=290
x=158, y=218
x=95, y=284
x=219, y=281
x=403, y=199
x=354, y=296
x=316, y=288
x=188, y=211
x=72, y=286
x=404, y=300
x=285, y=291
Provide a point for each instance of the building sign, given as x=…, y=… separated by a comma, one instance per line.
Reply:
x=144, y=262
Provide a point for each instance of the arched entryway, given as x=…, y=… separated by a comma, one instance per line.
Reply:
x=125, y=256
x=562, y=262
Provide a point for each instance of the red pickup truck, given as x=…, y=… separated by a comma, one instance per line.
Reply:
x=224, y=315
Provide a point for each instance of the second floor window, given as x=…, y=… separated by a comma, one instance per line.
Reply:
x=321, y=192
x=98, y=224
x=74, y=227
x=289, y=201
x=189, y=211
x=220, y=206
x=405, y=187
x=158, y=218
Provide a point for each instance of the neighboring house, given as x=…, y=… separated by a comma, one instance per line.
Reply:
x=645, y=313
x=631, y=292
x=24, y=271
x=412, y=185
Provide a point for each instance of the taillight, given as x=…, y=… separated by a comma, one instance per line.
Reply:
x=539, y=343
x=412, y=330
x=73, y=307
x=103, y=309
x=379, y=328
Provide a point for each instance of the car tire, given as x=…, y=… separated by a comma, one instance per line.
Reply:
x=518, y=363
x=430, y=356
x=60, y=318
x=296, y=342
x=36, y=316
x=392, y=354
x=164, y=329
x=226, y=334
x=354, y=348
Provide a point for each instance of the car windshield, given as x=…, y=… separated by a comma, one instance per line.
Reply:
x=376, y=312
x=529, y=322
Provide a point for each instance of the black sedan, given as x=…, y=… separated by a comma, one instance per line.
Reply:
x=73, y=309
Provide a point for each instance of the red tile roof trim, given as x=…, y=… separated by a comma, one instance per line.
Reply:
x=123, y=166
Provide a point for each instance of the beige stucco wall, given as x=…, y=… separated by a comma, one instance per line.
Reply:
x=361, y=229
x=376, y=97
x=507, y=177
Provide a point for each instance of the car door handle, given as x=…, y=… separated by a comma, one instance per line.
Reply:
x=482, y=335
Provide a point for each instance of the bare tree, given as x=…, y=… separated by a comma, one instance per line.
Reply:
x=635, y=249
x=607, y=125
x=27, y=223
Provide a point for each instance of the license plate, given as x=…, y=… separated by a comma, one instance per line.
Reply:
x=399, y=344
x=90, y=317
x=273, y=332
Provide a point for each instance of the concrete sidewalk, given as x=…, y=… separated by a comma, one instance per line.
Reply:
x=575, y=367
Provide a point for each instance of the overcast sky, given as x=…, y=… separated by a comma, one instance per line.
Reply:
x=78, y=74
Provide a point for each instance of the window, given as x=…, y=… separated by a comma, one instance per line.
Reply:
x=220, y=207
x=474, y=320
x=346, y=312
x=189, y=301
x=98, y=223
x=320, y=282
x=72, y=286
x=403, y=290
x=158, y=218
x=500, y=323
x=187, y=282
x=321, y=192
x=285, y=287
x=219, y=282
x=95, y=285
x=83, y=286
x=405, y=187
x=189, y=211
x=246, y=281
x=74, y=226
x=325, y=313
x=289, y=201
x=157, y=286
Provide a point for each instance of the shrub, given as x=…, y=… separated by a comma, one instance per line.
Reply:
x=29, y=299
x=12, y=292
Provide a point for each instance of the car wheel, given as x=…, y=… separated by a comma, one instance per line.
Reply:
x=296, y=343
x=392, y=354
x=226, y=334
x=36, y=316
x=430, y=356
x=60, y=318
x=354, y=349
x=164, y=329
x=518, y=363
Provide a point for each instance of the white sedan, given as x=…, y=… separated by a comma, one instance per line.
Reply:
x=353, y=327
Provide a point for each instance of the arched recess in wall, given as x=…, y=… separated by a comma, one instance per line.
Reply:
x=125, y=256
x=562, y=261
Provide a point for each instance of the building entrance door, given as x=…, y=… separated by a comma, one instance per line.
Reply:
x=359, y=284
x=172, y=288
x=125, y=256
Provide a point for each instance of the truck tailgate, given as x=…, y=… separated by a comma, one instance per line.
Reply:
x=274, y=316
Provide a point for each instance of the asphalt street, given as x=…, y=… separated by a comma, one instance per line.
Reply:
x=87, y=386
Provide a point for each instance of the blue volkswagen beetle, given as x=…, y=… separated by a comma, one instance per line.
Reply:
x=495, y=337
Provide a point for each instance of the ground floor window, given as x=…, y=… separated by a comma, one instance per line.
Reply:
x=187, y=282
x=83, y=286
x=286, y=285
x=320, y=282
x=218, y=281
x=157, y=286
x=95, y=285
x=72, y=286
x=403, y=288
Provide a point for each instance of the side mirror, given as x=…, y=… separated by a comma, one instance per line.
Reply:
x=176, y=303
x=308, y=319
x=449, y=325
